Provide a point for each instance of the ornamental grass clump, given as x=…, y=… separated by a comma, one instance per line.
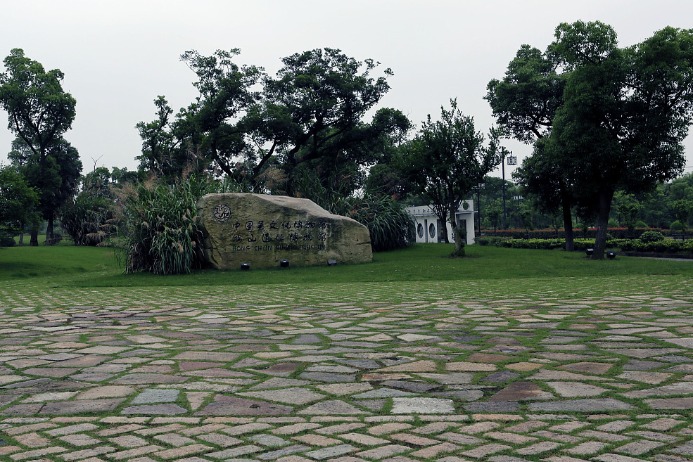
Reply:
x=162, y=232
x=389, y=224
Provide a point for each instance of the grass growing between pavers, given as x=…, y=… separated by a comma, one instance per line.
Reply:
x=557, y=309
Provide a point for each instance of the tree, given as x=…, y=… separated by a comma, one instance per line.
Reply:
x=56, y=178
x=542, y=177
x=524, y=104
x=299, y=133
x=159, y=146
x=315, y=106
x=622, y=117
x=18, y=201
x=681, y=200
x=210, y=134
x=121, y=176
x=627, y=208
x=625, y=113
x=448, y=160
x=342, y=169
x=39, y=113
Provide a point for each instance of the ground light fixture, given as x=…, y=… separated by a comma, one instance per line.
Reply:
x=245, y=266
x=284, y=263
x=611, y=255
x=589, y=252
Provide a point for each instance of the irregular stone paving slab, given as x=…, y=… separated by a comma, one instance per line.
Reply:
x=154, y=409
x=233, y=406
x=207, y=374
x=422, y=406
x=576, y=389
x=152, y=395
x=582, y=405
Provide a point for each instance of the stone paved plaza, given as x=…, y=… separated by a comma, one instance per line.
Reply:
x=292, y=374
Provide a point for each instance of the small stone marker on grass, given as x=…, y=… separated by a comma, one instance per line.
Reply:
x=264, y=231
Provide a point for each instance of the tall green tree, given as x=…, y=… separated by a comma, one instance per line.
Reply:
x=343, y=168
x=542, y=177
x=524, y=104
x=39, y=113
x=315, y=108
x=56, y=177
x=621, y=119
x=627, y=208
x=625, y=113
x=301, y=132
x=447, y=160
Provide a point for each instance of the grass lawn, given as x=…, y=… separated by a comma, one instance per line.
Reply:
x=425, y=267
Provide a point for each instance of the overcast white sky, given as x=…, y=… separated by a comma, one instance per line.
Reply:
x=117, y=56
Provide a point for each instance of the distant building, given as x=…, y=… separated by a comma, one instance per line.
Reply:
x=430, y=229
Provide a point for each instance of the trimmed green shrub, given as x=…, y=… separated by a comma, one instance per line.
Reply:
x=677, y=226
x=663, y=246
x=6, y=240
x=651, y=236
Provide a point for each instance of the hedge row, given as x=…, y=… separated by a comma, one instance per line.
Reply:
x=665, y=246
x=616, y=233
x=635, y=245
x=542, y=244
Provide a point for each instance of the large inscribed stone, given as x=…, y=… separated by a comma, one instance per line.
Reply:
x=264, y=230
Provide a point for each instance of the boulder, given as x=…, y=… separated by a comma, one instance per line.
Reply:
x=264, y=230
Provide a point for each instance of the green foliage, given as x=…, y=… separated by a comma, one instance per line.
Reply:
x=620, y=122
x=89, y=219
x=389, y=225
x=299, y=133
x=18, y=201
x=160, y=226
x=544, y=244
x=39, y=113
x=677, y=226
x=662, y=246
x=651, y=236
x=447, y=160
x=651, y=243
x=39, y=110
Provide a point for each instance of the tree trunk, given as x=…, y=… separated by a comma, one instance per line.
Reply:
x=568, y=222
x=50, y=235
x=604, y=198
x=444, y=233
x=459, y=240
x=33, y=241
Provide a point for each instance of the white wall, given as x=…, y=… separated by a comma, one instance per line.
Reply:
x=428, y=228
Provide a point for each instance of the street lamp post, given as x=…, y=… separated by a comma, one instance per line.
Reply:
x=512, y=160
x=478, y=204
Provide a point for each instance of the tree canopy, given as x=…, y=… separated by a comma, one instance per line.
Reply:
x=39, y=113
x=300, y=132
x=622, y=117
x=448, y=159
